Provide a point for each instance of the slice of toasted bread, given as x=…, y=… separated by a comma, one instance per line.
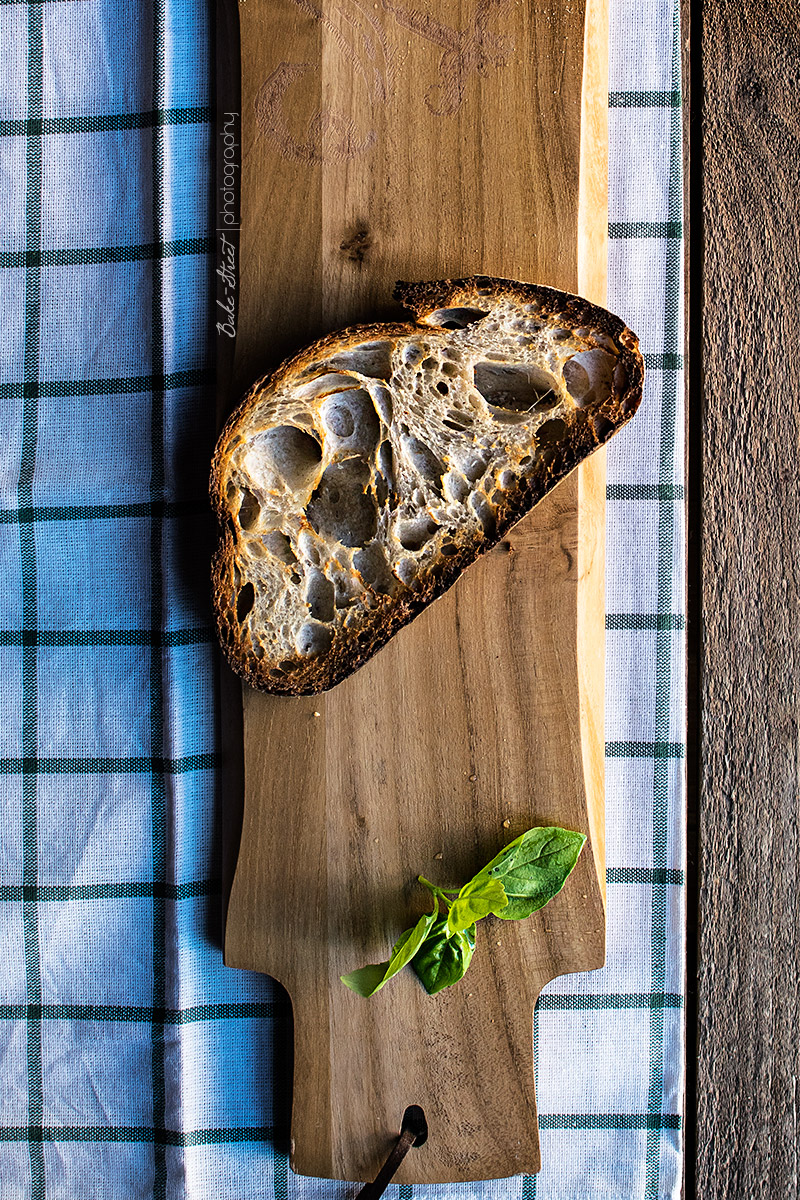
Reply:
x=356, y=483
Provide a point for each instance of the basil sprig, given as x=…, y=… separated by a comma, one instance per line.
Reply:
x=517, y=882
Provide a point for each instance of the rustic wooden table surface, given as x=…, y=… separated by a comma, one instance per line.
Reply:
x=743, y=154
x=742, y=162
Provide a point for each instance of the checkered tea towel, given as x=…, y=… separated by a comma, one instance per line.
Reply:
x=134, y=1065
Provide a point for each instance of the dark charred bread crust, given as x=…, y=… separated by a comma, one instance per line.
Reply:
x=387, y=614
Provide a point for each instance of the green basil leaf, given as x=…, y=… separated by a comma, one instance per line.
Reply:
x=538, y=868
x=442, y=960
x=503, y=861
x=476, y=899
x=366, y=981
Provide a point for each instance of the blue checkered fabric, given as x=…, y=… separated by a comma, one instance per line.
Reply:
x=134, y=1065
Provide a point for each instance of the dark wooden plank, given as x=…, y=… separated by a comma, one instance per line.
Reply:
x=749, y=1018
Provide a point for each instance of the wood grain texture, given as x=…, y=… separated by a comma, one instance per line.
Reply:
x=749, y=1015
x=383, y=142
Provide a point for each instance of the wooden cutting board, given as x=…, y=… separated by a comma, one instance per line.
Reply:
x=420, y=139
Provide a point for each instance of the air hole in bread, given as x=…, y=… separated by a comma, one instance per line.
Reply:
x=504, y=416
x=342, y=592
x=249, y=508
x=483, y=511
x=442, y=388
x=319, y=596
x=351, y=418
x=245, y=601
x=450, y=370
x=551, y=431
x=424, y=461
x=588, y=376
x=475, y=468
x=279, y=545
x=339, y=419
x=448, y=550
x=373, y=359
x=285, y=455
x=516, y=389
x=576, y=378
x=328, y=382
x=406, y=571
x=428, y=364
x=373, y=568
x=313, y=639
x=546, y=402
x=382, y=399
x=602, y=427
x=385, y=461
x=455, y=318
x=340, y=509
x=456, y=486
x=452, y=425
x=412, y=355
x=413, y=535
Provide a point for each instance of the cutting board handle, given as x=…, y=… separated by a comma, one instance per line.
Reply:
x=348, y=1104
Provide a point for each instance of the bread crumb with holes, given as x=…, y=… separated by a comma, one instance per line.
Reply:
x=358, y=482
